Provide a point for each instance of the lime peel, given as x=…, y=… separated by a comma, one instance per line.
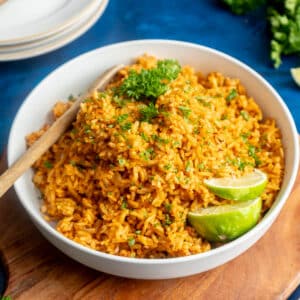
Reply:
x=226, y=222
x=249, y=186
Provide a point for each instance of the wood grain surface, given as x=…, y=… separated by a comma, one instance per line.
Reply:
x=268, y=270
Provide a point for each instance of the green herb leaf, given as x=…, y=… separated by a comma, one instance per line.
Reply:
x=131, y=241
x=245, y=115
x=233, y=93
x=48, y=164
x=186, y=111
x=147, y=154
x=126, y=126
x=122, y=118
x=150, y=83
x=145, y=137
x=148, y=112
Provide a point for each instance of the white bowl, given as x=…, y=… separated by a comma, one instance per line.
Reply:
x=75, y=76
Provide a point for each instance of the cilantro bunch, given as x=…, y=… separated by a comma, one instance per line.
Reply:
x=284, y=20
x=151, y=83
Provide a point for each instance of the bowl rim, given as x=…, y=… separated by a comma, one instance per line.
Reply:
x=267, y=219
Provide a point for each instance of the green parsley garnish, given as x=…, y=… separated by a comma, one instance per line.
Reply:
x=168, y=167
x=150, y=83
x=188, y=166
x=126, y=126
x=148, y=112
x=147, y=154
x=168, y=220
x=122, y=118
x=252, y=153
x=121, y=161
x=232, y=94
x=186, y=111
x=138, y=232
x=245, y=115
x=158, y=139
x=168, y=207
x=124, y=205
x=131, y=241
x=144, y=137
x=48, y=164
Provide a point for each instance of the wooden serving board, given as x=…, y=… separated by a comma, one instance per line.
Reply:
x=37, y=270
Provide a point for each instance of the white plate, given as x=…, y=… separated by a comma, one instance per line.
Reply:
x=76, y=76
x=28, y=20
x=8, y=53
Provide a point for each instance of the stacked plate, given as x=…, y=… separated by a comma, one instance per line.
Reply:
x=30, y=28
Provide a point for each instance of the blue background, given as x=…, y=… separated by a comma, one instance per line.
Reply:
x=203, y=22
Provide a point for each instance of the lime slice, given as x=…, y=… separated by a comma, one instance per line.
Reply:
x=296, y=75
x=243, y=188
x=226, y=222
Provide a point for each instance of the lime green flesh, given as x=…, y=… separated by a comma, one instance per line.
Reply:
x=244, y=188
x=227, y=222
x=296, y=75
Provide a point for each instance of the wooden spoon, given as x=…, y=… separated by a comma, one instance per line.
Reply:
x=8, y=178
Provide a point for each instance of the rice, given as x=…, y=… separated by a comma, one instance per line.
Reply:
x=122, y=186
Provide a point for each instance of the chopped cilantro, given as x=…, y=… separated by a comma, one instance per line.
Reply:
x=245, y=136
x=122, y=118
x=252, y=153
x=168, y=167
x=124, y=205
x=186, y=111
x=232, y=94
x=201, y=166
x=148, y=112
x=144, y=137
x=48, y=164
x=150, y=83
x=121, y=161
x=158, y=139
x=168, y=207
x=203, y=101
x=147, y=154
x=245, y=115
x=138, y=232
x=119, y=101
x=168, y=220
x=126, y=126
x=131, y=241
x=188, y=166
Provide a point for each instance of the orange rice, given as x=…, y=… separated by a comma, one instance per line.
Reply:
x=127, y=192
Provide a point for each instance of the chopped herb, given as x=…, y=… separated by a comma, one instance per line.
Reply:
x=203, y=102
x=122, y=118
x=252, y=153
x=196, y=130
x=158, y=139
x=87, y=129
x=201, y=166
x=168, y=167
x=138, y=232
x=233, y=93
x=245, y=115
x=73, y=163
x=144, y=137
x=188, y=166
x=119, y=101
x=124, y=205
x=102, y=94
x=186, y=111
x=48, y=164
x=148, y=112
x=176, y=144
x=168, y=220
x=168, y=207
x=245, y=136
x=224, y=117
x=131, y=242
x=146, y=155
x=126, y=126
x=110, y=125
x=150, y=83
x=121, y=161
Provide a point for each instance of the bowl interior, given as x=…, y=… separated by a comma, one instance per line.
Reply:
x=75, y=77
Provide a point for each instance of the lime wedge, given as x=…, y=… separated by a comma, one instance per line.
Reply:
x=243, y=188
x=296, y=75
x=226, y=222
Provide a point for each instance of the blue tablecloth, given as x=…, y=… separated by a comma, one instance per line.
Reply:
x=203, y=22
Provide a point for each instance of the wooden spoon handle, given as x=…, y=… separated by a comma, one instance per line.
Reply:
x=8, y=178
